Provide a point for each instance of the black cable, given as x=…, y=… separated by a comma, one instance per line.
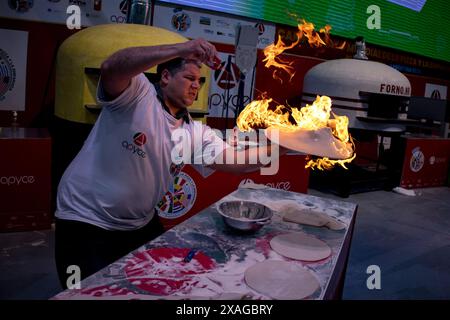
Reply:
x=251, y=86
x=228, y=71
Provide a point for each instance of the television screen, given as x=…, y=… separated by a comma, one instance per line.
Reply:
x=418, y=26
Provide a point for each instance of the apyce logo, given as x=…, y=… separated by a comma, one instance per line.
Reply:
x=139, y=139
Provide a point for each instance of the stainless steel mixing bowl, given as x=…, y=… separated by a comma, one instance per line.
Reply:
x=245, y=215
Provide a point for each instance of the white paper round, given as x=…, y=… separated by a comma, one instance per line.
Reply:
x=300, y=246
x=281, y=280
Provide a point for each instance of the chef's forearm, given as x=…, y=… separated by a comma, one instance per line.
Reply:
x=118, y=70
x=248, y=160
x=129, y=62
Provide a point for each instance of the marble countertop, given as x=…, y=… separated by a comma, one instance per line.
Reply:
x=157, y=270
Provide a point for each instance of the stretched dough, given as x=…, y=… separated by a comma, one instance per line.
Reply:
x=306, y=216
x=281, y=280
x=294, y=212
x=334, y=224
x=313, y=218
x=300, y=246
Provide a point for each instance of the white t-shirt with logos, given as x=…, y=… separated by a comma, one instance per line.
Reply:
x=125, y=165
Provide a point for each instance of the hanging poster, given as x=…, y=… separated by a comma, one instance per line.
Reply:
x=13, y=67
x=435, y=91
x=223, y=92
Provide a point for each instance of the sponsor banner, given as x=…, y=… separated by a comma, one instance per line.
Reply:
x=212, y=27
x=405, y=62
x=25, y=180
x=13, y=67
x=426, y=163
x=93, y=12
x=223, y=90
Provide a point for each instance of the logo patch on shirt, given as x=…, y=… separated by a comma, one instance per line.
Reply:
x=175, y=169
x=179, y=199
x=139, y=140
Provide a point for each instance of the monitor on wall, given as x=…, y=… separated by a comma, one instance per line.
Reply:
x=420, y=26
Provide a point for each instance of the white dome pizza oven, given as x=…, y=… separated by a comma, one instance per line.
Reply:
x=367, y=92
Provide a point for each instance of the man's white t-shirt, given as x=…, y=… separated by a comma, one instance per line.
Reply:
x=124, y=167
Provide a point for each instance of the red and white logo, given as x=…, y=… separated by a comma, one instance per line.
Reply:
x=139, y=139
x=260, y=27
x=227, y=75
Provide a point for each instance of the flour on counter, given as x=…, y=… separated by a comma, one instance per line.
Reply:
x=230, y=277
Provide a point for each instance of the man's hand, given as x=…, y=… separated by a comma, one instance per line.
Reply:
x=200, y=50
x=253, y=159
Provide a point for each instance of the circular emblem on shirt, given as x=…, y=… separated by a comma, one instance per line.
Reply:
x=139, y=139
x=179, y=199
x=7, y=74
x=417, y=160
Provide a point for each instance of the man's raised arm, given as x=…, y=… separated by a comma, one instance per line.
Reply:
x=118, y=70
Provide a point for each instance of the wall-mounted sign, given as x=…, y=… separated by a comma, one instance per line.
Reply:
x=435, y=91
x=93, y=12
x=223, y=90
x=13, y=67
x=212, y=27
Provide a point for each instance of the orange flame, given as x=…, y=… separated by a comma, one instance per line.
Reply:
x=272, y=51
x=327, y=164
x=305, y=29
x=258, y=114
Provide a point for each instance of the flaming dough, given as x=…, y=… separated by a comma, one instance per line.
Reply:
x=300, y=246
x=281, y=280
x=319, y=142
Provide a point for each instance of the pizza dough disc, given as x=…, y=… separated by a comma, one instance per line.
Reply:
x=300, y=246
x=320, y=142
x=281, y=280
